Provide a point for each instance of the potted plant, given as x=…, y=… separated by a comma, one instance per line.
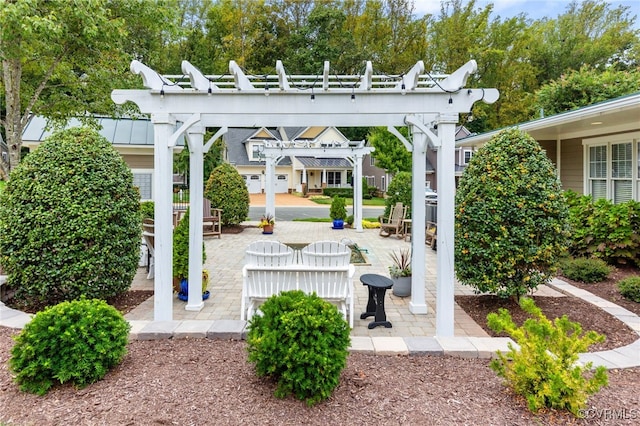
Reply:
x=267, y=222
x=181, y=261
x=338, y=212
x=400, y=272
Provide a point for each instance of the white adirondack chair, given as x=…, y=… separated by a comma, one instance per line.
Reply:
x=326, y=253
x=268, y=253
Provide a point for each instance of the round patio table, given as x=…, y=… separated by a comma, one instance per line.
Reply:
x=378, y=285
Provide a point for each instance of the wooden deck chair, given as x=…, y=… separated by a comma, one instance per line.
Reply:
x=148, y=233
x=268, y=253
x=393, y=224
x=326, y=253
x=211, y=219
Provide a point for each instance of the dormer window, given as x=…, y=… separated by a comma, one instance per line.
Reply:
x=256, y=152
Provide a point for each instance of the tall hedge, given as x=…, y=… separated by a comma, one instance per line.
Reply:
x=511, y=217
x=70, y=221
x=227, y=191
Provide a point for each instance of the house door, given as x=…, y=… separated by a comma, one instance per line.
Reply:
x=253, y=184
x=282, y=184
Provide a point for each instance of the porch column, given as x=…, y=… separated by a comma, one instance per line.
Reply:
x=195, y=138
x=270, y=186
x=418, y=303
x=446, y=218
x=304, y=180
x=163, y=126
x=324, y=178
x=357, y=192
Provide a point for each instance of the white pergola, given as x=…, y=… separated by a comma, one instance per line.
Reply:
x=430, y=105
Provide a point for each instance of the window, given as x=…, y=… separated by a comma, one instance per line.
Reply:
x=256, y=152
x=598, y=171
x=467, y=156
x=143, y=181
x=610, y=173
x=334, y=178
x=372, y=161
x=371, y=180
x=383, y=183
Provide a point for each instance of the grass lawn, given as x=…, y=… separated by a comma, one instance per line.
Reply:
x=372, y=202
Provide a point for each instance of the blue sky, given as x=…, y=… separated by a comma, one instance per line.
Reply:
x=535, y=9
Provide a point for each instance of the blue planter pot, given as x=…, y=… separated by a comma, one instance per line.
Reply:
x=338, y=224
x=183, y=294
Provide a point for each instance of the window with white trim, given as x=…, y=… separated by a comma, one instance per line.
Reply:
x=610, y=173
x=256, y=152
x=334, y=178
x=467, y=156
x=143, y=181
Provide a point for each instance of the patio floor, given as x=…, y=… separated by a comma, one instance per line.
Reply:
x=225, y=257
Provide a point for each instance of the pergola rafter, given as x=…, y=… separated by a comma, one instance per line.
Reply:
x=416, y=99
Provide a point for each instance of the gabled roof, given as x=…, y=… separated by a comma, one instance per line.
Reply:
x=615, y=115
x=235, y=140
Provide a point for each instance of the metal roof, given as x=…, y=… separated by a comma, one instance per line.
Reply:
x=324, y=162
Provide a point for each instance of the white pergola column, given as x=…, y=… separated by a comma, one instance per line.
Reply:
x=357, y=192
x=446, y=219
x=270, y=185
x=195, y=138
x=418, y=303
x=163, y=127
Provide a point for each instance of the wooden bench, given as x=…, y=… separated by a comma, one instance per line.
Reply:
x=331, y=283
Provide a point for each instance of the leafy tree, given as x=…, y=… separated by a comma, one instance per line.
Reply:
x=227, y=191
x=589, y=33
x=399, y=191
x=62, y=59
x=390, y=153
x=70, y=221
x=511, y=217
x=585, y=87
x=212, y=159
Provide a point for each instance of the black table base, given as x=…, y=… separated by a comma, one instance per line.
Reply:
x=377, y=285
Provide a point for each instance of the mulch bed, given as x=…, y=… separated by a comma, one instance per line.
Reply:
x=589, y=316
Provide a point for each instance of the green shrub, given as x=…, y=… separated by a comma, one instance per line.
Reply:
x=70, y=221
x=586, y=270
x=301, y=341
x=511, y=217
x=349, y=220
x=604, y=230
x=338, y=208
x=75, y=342
x=340, y=192
x=399, y=191
x=630, y=288
x=227, y=191
x=181, y=249
x=545, y=370
x=147, y=209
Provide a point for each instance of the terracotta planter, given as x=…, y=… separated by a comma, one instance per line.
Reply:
x=267, y=229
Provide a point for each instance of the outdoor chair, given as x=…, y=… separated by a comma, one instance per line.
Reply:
x=394, y=223
x=326, y=253
x=211, y=219
x=268, y=253
x=148, y=233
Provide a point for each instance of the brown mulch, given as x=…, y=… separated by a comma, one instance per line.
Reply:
x=205, y=382
x=588, y=315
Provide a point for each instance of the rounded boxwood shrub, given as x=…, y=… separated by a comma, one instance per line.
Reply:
x=630, y=288
x=511, y=217
x=227, y=191
x=586, y=270
x=77, y=342
x=70, y=221
x=301, y=341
